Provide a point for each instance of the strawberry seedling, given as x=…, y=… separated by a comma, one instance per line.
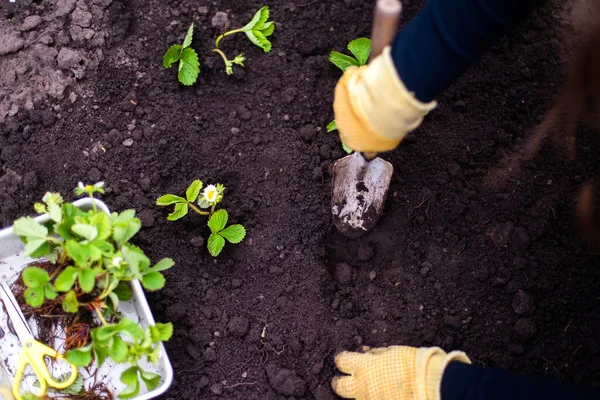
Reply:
x=86, y=265
x=189, y=66
x=207, y=200
x=257, y=31
x=361, y=49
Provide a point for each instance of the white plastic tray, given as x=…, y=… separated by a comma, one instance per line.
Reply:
x=12, y=262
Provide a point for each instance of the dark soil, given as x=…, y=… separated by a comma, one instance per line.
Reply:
x=497, y=270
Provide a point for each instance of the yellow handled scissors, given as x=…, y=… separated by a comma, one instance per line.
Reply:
x=33, y=352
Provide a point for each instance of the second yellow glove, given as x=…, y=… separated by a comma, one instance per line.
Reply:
x=393, y=373
x=373, y=109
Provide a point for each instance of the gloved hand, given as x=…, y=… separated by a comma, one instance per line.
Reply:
x=393, y=373
x=373, y=109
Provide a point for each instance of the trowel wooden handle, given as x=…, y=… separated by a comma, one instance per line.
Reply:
x=385, y=25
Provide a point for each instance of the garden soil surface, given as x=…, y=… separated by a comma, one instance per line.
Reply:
x=460, y=260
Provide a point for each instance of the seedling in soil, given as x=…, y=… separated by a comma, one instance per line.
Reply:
x=257, y=30
x=189, y=66
x=361, y=49
x=86, y=263
x=217, y=219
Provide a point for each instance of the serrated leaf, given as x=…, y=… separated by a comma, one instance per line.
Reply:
x=191, y=194
x=136, y=260
x=153, y=281
x=100, y=353
x=81, y=357
x=234, y=233
x=34, y=277
x=50, y=293
x=70, y=303
x=215, y=244
x=86, y=231
x=258, y=29
x=165, y=331
x=268, y=28
x=181, y=209
x=218, y=220
x=163, y=264
x=342, y=61
x=172, y=55
x=87, y=279
x=69, y=211
x=332, y=126
x=76, y=387
x=259, y=39
x=54, y=212
x=258, y=20
x=29, y=228
x=125, y=229
x=34, y=296
x=168, y=199
x=189, y=67
x=150, y=379
x=187, y=41
x=36, y=247
x=361, y=48
x=101, y=221
x=66, y=279
x=123, y=291
x=79, y=253
x=39, y=208
x=130, y=378
x=130, y=327
x=118, y=350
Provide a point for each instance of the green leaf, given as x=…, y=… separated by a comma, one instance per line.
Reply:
x=69, y=211
x=150, y=379
x=50, y=292
x=35, y=277
x=79, y=253
x=332, y=126
x=187, y=41
x=115, y=299
x=136, y=260
x=87, y=279
x=189, y=67
x=215, y=244
x=258, y=29
x=162, y=332
x=55, y=212
x=106, y=249
x=29, y=396
x=181, y=209
x=86, y=231
x=347, y=149
x=342, y=61
x=218, y=220
x=131, y=328
x=36, y=248
x=100, y=353
x=81, y=357
x=361, y=48
x=234, y=233
x=65, y=280
x=153, y=281
x=101, y=221
x=168, y=199
x=130, y=378
x=125, y=227
x=34, y=296
x=70, y=303
x=39, y=208
x=118, y=350
x=163, y=264
x=123, y=291
x=29, y=228
x=172, y=55
x=103, y=334
x=191, y=194
x=76, y=387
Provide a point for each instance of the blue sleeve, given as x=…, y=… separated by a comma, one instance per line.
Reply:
x=447, y=36
x=471, y=382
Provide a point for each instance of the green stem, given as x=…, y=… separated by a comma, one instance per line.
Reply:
x=193, y=207
x=93, y=202
x=226, y=34
x=223, y=56
x=99, y=314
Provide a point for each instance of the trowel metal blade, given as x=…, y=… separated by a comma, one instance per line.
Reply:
x=360, y=190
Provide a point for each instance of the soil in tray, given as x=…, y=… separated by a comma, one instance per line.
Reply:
x=498, y=271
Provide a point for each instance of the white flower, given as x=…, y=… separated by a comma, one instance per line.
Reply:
x=81, y=186
x=210, y=193
x=46, y=197
x=98, y=185
x=117, y=261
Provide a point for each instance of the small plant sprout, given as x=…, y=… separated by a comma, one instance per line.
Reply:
x=217, y=219
x=257, y=30
x=189, y=66
x=361, y=49
x=86, y=265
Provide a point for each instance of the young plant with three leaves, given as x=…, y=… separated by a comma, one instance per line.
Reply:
x=361, y=49
x=257, y=31
x=189, y=66
x=91, y=265
x=207, y=200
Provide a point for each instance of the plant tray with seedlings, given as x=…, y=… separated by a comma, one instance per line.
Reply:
x=80, y=286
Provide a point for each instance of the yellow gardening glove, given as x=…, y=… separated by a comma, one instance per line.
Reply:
x=393, y=373
x=373, y=109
